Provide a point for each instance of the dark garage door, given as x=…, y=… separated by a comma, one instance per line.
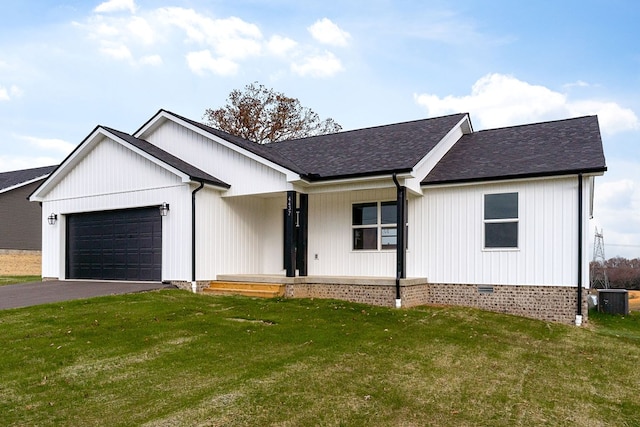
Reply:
x=115, y=245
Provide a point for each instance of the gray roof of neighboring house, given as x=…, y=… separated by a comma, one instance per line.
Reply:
x=184, y=167
x=559, y=147
x=15, y=178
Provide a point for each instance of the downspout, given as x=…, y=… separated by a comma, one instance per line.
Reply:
x=579, y=310
x=194, y=285
x=400, y=243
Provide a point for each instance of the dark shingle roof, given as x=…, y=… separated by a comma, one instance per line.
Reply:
x=367, y=152
x=13, y=178
x=184, y=167
x=542, y=149
x=362, y=152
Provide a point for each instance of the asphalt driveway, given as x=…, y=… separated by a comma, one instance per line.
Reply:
x=27, y=294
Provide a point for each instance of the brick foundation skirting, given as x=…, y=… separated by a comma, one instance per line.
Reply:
x=548, y=303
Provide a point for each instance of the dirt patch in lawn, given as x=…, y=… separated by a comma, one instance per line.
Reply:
x=20, y=263
x=634, y=300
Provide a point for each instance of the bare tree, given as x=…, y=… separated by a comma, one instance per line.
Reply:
x=263, y=115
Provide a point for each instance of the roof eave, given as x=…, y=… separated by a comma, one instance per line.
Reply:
x=595, y=171
x=314, y=178
x=221, y=185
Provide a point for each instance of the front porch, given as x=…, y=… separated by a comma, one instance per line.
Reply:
x=379, y=291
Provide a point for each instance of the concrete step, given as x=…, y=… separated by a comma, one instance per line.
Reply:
x=259, y=290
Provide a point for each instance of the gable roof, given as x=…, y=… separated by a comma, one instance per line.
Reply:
x=363, y=152
x=19, y=178
x=188, y=169
x=562, y=147
x=262, y=150
x=179, y=165
x=367, y=152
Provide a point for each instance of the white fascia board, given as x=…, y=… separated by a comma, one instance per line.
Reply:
x=428, y=162
x=22, y=184
x=79, y=153
x=511, y=180
x=163, y=115
x=73, y=159
x=351, y=184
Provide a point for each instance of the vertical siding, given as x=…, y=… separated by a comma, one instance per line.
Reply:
x=246, y=176
x=112, y=177
x=20, y=226
x=448, y=225
x=231, y=235
x=330, y=236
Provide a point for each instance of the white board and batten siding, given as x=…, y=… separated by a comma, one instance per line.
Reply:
x=447, y=241
x=113, y=177
x=237, y=235
x=330, y=236
x=245, y=175
x=446, y=235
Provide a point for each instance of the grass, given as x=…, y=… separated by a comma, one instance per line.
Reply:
x=12, y=280
x=174, y=358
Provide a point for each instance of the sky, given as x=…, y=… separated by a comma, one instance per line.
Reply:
x=67, y=66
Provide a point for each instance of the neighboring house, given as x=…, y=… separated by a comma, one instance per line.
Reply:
x=495, y=219
x=21, y=221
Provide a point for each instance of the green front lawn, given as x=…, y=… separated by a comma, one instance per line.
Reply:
x=174, y=358
x=12, y=280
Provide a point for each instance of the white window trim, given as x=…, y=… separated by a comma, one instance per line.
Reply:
x=499, y=221
x=378, y=226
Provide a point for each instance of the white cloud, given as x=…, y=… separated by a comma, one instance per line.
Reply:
x=231, y=37
x=202, y=61
x=153, y=60
x=13, y=163
x=612, y=117
x=325, y=65
x=49, y=144
x=498, y=100
x=326, y=32
x=116, y=6
x=280, y=46
x=11, y=93
x=141, y=30
x=119, y=52
x=15, y=91
x=617, y=195
x=211, y=45
x=617, y=207
x=578, y=83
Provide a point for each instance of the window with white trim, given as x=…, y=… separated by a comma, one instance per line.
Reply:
x=374, y=226
x=501, y=220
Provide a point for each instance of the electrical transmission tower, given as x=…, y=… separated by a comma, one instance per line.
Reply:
x=598, y=270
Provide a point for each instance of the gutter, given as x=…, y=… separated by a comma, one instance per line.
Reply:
x=194, y=286
x=580, y=225
x=401, y=230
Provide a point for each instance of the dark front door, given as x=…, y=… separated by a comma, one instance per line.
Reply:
x=115, y=245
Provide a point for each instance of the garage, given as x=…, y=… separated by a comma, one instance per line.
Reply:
x=115, y=245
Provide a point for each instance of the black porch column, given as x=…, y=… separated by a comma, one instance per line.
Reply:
x=401, y=261
x=290, y=234
x=303, y=234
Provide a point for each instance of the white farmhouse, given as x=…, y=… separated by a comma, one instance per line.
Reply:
x=421, y=212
